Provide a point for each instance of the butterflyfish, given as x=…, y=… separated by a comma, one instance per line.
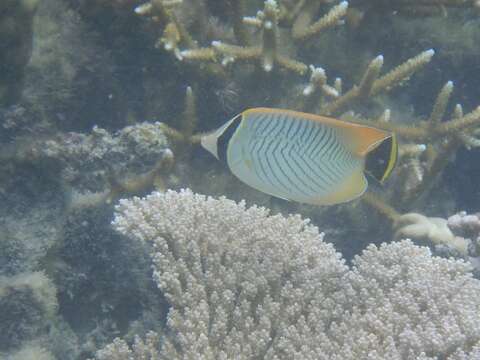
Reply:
x=303, y=157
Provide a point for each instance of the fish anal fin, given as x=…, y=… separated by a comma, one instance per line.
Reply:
x=351, y=188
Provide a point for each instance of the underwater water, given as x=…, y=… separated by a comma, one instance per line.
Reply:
x=341, y=220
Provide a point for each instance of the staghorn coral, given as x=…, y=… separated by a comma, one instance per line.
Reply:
x=371, y=84
x=303, y=28
x=430, y=144
x=282, y=27
x=174, y=33
x=419, y=8
x=267, y=54
x=441, y=139
x=243, y=284
x=435, y=143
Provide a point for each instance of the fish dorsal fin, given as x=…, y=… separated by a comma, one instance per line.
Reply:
x=359, y=139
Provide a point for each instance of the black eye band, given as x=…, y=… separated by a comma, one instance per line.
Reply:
x=224, y=139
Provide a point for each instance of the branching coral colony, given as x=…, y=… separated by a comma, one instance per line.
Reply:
x=419, y=8
x=426, y=147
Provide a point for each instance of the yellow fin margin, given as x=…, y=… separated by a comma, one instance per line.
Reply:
x=392, y=161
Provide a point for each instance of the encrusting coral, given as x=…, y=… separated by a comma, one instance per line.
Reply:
x=431, y=229
x=243, y=284
x=457, y=236
x=100, y=166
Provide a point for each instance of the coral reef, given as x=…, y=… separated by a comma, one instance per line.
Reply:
x=243, y=284
x=440, y=139
x=106, y=99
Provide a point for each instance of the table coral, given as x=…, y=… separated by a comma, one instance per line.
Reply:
x=243, y=284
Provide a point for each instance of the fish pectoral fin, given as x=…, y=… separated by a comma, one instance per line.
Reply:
x=363, y=139
x=350, y=189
